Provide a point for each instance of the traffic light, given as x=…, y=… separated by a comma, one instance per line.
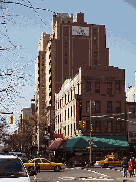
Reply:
x=87, y=149
x=91, y=128
x=84, y=123
x=81, y=124
x=11, y=119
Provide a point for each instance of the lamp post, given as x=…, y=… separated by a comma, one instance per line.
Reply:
x=90, y=131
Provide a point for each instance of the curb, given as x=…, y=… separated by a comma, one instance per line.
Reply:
x=118, y=179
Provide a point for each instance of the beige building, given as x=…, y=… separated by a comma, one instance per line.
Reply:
x=40, y=76
x=131, y=92
x=65, y=107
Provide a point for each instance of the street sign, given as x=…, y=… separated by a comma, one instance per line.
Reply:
x=56, y=135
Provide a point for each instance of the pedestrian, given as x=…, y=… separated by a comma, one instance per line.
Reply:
x=133, y=163
x=125, y=166
x=130, y=168
x=36, y=169
x=135, y=166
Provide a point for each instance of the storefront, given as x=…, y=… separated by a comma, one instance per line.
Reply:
x=75, y=149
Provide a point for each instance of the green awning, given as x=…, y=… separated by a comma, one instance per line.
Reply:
x=81, y=142
x=78, y=142
x=110, y=141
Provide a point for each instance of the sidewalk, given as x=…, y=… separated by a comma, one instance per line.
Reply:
x=128, y=179
x=119, y=179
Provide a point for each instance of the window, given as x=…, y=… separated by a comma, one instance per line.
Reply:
x=43, y=56
x=68, y=130
x=65, y=130
x=65, y=29
x=110, y=159
x=65, y=37
x=71, y=111
x=94, y=31
x=58, y=130
x=109, y=127
x=118, y=106
x=118, y=127
x=95, y=62
x=87, y=106
x=97, y=124
x=66, y=45
x=68, y=96
x=117, y=88
x=71, y=94
x=71, y=129
x=95, y=46
x=109, y=106
x=97, y=107
x=65, y=115
x=42, y=63
x=88, y=86
x=68, y=21
x=60, y=103
x=87, y=126
x=132, y=112
x=74, y=126
x=109, y=87
x=97, y=87
x=95, y=39
x=44, y=161
x=65, y=53
x=65, y=60
x=42, y=70
x=95, y=54
x=65, y=98
x=60, y=117
x=68, y=113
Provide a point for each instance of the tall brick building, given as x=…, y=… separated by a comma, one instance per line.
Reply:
x=72, y=45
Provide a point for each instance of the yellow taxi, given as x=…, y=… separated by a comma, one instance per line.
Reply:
x=44, y=165
x=110, y=160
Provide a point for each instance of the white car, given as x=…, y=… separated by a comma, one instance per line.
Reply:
x=12, y=169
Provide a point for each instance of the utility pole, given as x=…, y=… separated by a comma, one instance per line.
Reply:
x=90, y=131
x=90, y=134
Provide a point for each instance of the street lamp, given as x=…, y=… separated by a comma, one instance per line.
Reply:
x=90, y=130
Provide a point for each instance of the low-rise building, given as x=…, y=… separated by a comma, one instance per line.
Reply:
x=104, y=87
x=131, y=125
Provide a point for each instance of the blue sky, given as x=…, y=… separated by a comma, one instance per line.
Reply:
x=24, y=29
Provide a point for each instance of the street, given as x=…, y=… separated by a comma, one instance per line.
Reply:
x=86, y=174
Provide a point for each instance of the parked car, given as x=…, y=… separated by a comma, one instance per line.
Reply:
x=44, y=165
x=21, y=155
x=110, y=160
x=12, y=169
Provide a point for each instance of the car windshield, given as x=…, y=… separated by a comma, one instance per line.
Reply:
x=12, y=168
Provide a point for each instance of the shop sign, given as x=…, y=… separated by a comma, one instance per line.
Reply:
x=123, y=148
x=77, y=153
x=56, y=135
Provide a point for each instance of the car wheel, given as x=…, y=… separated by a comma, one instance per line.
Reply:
x=105, y=165
x=57, y=168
